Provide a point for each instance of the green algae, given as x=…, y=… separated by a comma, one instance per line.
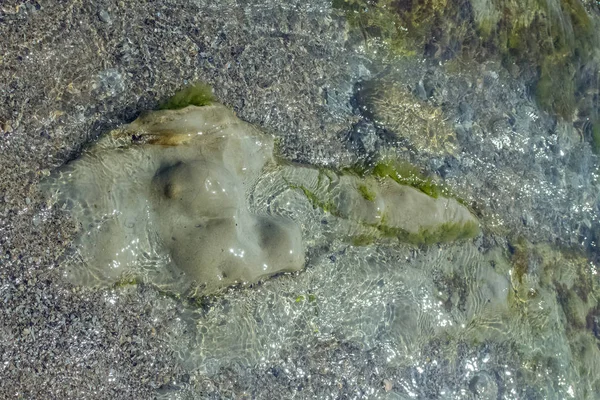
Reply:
x=407, y=174
x=366, y=193
x=445, y=233
x=553, y=39
x=404, y=173
x=543, y=302
x=199, y=94
x=404, y=26
x=455, y=231
x=374, y=20
x=310, y=297
x=125, y=281
x=366, y=183
x=362, y=240
x=555, y=89
x=567, y=45
x=540, y=268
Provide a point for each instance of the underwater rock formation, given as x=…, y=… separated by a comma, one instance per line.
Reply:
x=376, y=207
x=169, y=197
x=555, y=40
x=393, y=107
x=172, y=185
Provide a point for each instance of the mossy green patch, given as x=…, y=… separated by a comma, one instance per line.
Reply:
x=448, y=232
x=366, y=193
x=486, y=27
x=554, y=38
x=199, y=94
x=406, y=174
x=365, y=178
x=310, y=297
x=126, y=281
x=375, y=19
x=555, y=89
x=406, y=27
x=202, y=301
x=357, y=169
x=362, y=240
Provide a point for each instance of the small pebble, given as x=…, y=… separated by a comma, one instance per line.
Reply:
x=387, y=385
x=104, y=17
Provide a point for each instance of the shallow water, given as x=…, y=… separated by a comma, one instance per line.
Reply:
x=512, y=314
x=416, y=309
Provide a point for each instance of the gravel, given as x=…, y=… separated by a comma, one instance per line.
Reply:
x=70, y=71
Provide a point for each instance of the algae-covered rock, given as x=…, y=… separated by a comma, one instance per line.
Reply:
x=174, y=198
x=381, y=207
x=199, y=94
x=393, y=107
x=405, y=26
x=555, y=40
x=172, y=186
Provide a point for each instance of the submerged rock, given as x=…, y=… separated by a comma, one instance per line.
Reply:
x=172, y=186
x=553, y=40
x=393, y=107
x=378, y=207
x=173, y=198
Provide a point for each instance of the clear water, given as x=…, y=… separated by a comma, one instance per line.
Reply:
x=509, y=315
